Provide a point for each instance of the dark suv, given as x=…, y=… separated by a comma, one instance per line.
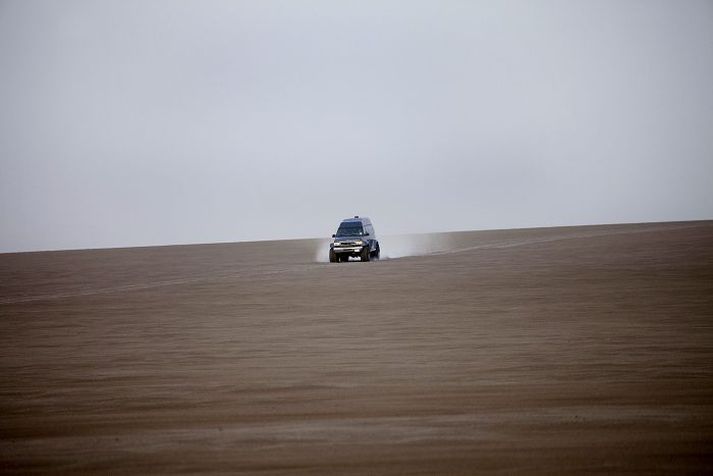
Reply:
x=355, y=237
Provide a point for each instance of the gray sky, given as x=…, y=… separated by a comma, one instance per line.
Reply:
x=156, y=122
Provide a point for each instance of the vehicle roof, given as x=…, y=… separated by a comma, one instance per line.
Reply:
x=357, y=220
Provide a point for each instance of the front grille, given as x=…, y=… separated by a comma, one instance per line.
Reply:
x=347, y=243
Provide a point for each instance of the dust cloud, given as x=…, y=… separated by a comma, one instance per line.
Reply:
x=400, y=246
x=396, y=246
x=321, y=252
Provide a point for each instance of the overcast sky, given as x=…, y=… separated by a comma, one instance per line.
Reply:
x=128, y=123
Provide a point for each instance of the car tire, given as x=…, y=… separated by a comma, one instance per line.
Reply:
x=365, y=253
x=377, y=253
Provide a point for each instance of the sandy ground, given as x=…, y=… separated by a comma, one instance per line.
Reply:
x=577, y=350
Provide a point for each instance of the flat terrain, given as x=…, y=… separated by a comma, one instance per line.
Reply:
x=578, y=350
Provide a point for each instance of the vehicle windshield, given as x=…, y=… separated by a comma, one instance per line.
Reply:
x=350, y=229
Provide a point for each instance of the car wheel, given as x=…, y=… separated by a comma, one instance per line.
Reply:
x=332, y=256
x=365, y=252
x=377, y=253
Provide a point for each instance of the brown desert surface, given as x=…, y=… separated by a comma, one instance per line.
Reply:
x=552, y=350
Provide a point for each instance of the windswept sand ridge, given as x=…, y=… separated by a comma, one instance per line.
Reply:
x=458, y=242
x=528, y=351
x=397, y=246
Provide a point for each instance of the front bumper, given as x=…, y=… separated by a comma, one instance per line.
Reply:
x=352, y=250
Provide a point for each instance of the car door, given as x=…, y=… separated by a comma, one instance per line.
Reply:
x=372, y=239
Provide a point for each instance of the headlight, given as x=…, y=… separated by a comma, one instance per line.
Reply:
x=358, y=242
